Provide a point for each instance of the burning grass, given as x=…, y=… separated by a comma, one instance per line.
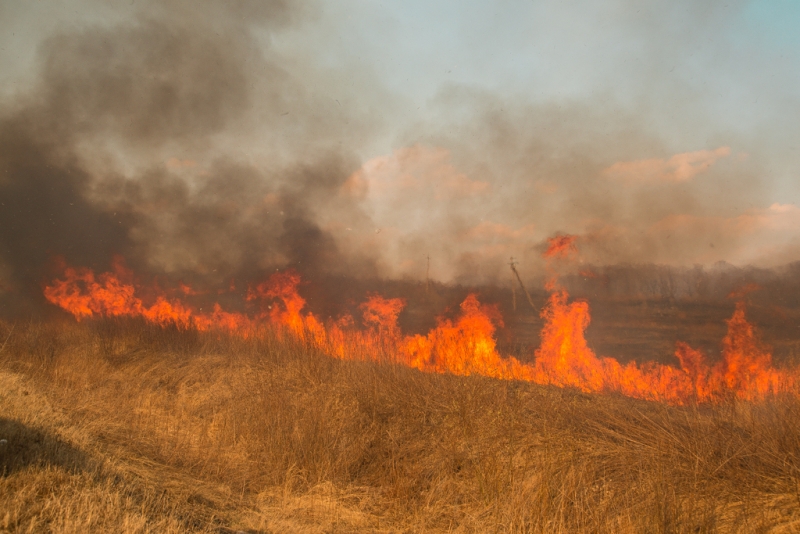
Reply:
x=133, y=427
x=464, y=345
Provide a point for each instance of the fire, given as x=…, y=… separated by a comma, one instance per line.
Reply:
x=281, y=289
x=693, y=363
x=84, y=295
x=742, y=292
x=745, y=371
x=381, y=314
x=561, y=246
x=463, y=345
x=746, y=366
x=564, y=359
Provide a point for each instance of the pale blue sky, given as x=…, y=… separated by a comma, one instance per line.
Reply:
x=692, y=70
x=735, y=63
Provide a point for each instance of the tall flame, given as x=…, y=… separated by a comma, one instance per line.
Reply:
x=564, y=358
x=381, y=314
x=464, y=345
x=281, y=288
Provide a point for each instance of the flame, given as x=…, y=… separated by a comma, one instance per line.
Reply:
x=113, y=294
x=561, y=246
x=84, y=295
x=693, y=363
x=745, y=371
x=463, y=345
x=746, y=366
x=564, y=358
x=381, y=314
x=281, y=289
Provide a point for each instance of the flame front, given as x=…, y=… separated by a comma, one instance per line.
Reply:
x=464, y=345
x=84, y=295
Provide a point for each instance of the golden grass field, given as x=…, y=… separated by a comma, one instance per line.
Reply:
x=120, y=426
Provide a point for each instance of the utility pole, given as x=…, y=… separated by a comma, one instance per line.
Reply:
x=428, y=275
x=513, y=264
x=513, y=287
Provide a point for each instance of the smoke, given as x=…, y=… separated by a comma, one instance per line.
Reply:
x=502, y=176
x=131, y=142
x=45, y=210
x=193, y=140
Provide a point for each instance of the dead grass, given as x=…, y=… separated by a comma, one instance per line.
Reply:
x=124, y=427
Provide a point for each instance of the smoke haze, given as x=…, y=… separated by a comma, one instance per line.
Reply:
x=228, y=139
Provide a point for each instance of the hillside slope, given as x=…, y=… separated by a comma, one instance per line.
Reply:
x=125, y=427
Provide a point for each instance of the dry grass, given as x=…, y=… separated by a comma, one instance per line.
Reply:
x=124, y=427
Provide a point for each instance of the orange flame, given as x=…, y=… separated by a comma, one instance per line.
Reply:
x=745, y=371
x=465, y=345
x=281, y=289
x=561, y=246
x=381, y=314
x=746, y=366
x=85, y=295
x=564, y=359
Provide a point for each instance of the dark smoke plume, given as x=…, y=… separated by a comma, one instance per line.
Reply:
x=92, y=160
x=189, y=138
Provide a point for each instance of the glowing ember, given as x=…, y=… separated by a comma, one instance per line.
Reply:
x=464, y=345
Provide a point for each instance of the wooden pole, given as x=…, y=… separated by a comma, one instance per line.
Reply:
x=428, y=274
x=527, y=295
x=513, y=289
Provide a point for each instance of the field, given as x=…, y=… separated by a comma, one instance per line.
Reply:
x=124, y=426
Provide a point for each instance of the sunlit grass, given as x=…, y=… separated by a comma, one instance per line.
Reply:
x=121, y=426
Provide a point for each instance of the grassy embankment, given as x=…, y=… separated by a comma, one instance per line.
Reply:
x=123, y=427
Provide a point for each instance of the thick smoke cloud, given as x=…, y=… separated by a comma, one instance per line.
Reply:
x=191, y=140
x=44, y=210
x=85, y=166
x=500, y=176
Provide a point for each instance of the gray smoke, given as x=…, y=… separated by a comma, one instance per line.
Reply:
x=189, y=138
x=128, y=145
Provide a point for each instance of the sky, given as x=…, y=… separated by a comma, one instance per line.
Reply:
x=362, y=136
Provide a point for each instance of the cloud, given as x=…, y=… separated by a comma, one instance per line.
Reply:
x=763, y=237
x=220, y=141
x=783, y=217
x=679, y=168
x=420, y=169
